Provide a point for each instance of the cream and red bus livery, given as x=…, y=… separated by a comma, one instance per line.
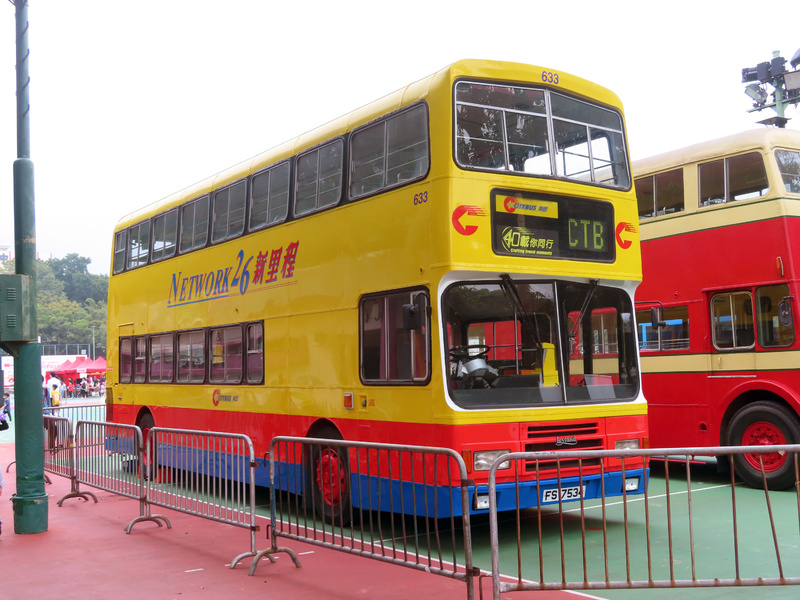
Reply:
x=719, y=223
x=435, y=268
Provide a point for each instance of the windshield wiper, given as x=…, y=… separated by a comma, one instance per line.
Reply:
x=589, y=293
x=512, y=294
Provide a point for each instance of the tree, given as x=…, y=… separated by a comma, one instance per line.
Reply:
x=70, y=302
x=79, y=284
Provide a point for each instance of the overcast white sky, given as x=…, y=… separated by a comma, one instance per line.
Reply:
x=131, y=101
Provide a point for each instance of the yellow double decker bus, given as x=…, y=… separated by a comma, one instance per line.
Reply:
x=452, y=265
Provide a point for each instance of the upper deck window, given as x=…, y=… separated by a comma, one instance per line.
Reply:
x=389, y=153
x=734, y=178
x=269, y=201
x=789, y=165
x=229, y=205
x=194, y=224
x=138, y=245
x=319, y=178
x=660, y=194
x=509, y=128
x=165, y=235
x=120, y=239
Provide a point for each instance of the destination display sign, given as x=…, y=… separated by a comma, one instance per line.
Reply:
x=544, y=226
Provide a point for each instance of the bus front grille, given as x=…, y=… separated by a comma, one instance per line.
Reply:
x=563, y=437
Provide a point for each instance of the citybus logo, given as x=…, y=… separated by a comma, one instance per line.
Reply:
x=630, y=228
x=217, y=398
x=466, y=209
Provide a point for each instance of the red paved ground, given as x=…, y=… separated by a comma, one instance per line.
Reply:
x=85, y=553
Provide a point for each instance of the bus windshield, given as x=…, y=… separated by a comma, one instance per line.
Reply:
x=534, y=131
x=521, y=343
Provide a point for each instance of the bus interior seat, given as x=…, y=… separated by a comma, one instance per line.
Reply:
x=744, y=336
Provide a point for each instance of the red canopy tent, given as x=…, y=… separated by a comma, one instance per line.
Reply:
x=70, y=370
x=94, y=366
x=64, y=368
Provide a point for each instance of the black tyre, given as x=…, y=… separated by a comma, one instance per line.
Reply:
x=764, y=424
x=328, y=477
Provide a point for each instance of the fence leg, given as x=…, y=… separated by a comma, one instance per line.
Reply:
x=144, y=512
x=274, y=549
x=75, y=491
x=253, y=551
x=269, y=552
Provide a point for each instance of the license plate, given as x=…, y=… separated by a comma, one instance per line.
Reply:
x=567, y=493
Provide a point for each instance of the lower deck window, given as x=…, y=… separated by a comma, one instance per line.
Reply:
x=191, y=357
x=394, y=338
x=672, y=333
x=226, y=355
x=732, y=320
x=233, y=354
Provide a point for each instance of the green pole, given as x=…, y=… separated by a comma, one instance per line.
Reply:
x=30, y=500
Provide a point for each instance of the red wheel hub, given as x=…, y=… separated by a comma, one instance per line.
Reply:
x=330, y=477
x=762, y=433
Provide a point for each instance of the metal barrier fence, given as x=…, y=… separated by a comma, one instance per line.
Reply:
x=106, y=458
x=58, y=454
x=381, y=501
x=206, y=474
x=579, y=545
x=78, y=411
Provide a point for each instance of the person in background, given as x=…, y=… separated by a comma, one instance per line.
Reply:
x=7, y=405
x=55, y=397
x=53, y=381
x=45, y=394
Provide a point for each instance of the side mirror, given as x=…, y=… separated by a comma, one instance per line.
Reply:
x=785, y=313
x=412, y=317
x=655, y=318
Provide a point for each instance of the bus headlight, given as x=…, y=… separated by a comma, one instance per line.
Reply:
x=627, y=444
x=483, y=459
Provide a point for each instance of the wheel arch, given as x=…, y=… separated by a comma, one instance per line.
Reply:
x=766, y=391
x=320, y=425
x=143, y=412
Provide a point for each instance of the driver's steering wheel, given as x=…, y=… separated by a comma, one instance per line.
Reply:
x=463, y=352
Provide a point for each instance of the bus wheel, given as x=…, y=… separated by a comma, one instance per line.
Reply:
x=764, y=424
x=329, y=478
x=146, y=423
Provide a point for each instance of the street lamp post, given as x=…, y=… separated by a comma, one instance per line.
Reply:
x=93, y=354
x=785, y=86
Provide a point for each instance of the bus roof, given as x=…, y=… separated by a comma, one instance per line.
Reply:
x=419, y=90
x=724, y=146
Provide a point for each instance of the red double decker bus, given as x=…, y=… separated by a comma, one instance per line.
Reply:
x=720, y=224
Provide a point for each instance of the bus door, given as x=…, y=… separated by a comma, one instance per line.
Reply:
x=733, y=335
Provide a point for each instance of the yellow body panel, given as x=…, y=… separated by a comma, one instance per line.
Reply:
x=384, y=242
